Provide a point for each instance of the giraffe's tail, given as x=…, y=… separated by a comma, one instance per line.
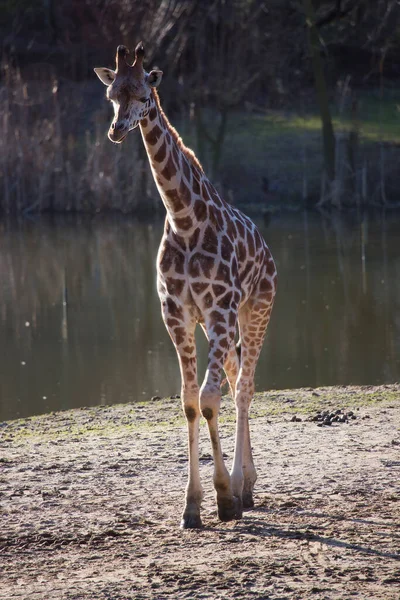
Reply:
x=238, y=349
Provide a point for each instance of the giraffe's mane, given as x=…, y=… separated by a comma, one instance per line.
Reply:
x=190, y=155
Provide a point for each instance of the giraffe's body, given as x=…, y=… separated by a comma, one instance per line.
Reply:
x=213, y=269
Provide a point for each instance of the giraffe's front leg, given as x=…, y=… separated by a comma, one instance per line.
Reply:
x=221, y=339
x=181, y=326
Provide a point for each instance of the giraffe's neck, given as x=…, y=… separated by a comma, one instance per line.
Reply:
x=176, y=170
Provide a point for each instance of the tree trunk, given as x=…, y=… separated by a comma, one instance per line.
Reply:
x=322, y=92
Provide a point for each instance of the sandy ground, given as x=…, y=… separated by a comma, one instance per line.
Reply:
x=91, y=499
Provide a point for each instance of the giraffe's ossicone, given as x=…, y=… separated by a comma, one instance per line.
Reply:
x=213, y=269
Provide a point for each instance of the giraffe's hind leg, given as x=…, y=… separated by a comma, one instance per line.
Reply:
x=253, y=320
x=231, y=367
x=220, y=333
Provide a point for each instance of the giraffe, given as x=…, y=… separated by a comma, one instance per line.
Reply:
x=213, y=269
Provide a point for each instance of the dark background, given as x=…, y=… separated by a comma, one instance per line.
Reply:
x=286, y=102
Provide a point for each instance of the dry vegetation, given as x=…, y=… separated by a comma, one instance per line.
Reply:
x=238, y=83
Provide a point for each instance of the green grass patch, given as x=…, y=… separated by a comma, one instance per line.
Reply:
x=166, y=414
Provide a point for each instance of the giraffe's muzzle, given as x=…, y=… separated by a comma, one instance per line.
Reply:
x=117, y=132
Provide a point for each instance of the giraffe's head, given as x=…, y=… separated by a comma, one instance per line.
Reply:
x=129, y=89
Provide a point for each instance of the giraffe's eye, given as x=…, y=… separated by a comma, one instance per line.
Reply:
x=143, y=99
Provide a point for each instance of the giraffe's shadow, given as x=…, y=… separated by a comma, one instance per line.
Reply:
x=253, y=524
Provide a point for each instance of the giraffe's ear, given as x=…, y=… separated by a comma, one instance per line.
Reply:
x=154, y=78
x=106, y=76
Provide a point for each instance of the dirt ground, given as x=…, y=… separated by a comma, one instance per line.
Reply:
x=91, y=500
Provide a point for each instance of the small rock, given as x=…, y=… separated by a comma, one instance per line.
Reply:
x=156, y=398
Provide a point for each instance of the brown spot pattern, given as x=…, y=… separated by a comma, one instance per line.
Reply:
x=190, y=413
x=207, y=413
x=250, y=244
x=179, y=333
x=223, y=273
x=173, y=309
x=265, y=285
x=186, y=169
x=196, y=184
x=200, y=263
x=185, y=223
x=172, y=322
x=208, y=299
x=213, y=194
x=161, y=153
x=153, y=135
x=193, y=240
x=184, y=193
x=174, y=197
x=152, y=113
x=240, y=229
x=271, y=267
x=241, y=252
x=180, y=241
x=188, y=349
x=219, y=329
x=225, y=301
x=170, y=256
x=210, y=241
x=200, y=210
x=226, y=249
x=175, y=286
x=199, y=287
x=175, y=153
x=217, y=317
x=231, y=230
x=246, y=271
x=218, y=289
x=169, y=170
x=204, y=191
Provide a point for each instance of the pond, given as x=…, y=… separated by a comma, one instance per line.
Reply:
x=80, y=319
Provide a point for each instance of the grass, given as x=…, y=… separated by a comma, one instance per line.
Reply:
x=377, y=119
x=284, y=149
x=162, y=415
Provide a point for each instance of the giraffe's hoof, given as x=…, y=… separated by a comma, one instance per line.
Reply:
x=248, y=501
x=230, y=509
x=191, y=521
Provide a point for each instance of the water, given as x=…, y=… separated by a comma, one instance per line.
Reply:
x=80, y=319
